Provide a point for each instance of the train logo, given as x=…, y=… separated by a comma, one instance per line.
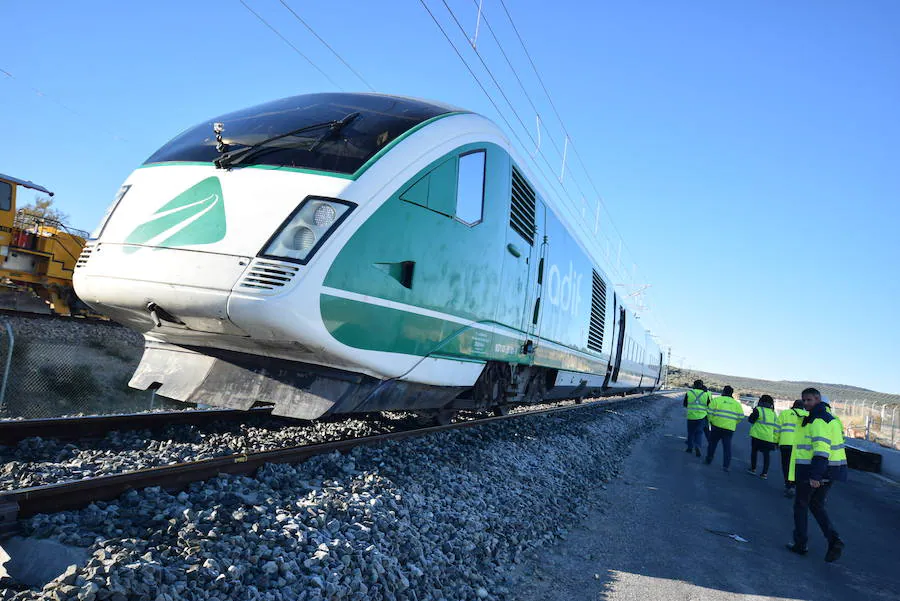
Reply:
x=196, y=216
x=564, y=291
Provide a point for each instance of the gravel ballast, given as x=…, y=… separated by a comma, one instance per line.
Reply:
x=441, y=516
x=36, y=461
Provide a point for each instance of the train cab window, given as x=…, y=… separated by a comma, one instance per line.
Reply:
x=5, y=196
x=470, y=187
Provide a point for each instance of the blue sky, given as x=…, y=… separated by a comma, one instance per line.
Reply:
x=746, y=152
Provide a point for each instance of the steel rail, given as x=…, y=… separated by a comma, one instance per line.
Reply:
x=94, y=426
x=77, y=494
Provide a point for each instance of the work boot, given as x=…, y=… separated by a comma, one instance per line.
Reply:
x=798, y=549
x=697, y=451
x=687, y=450
x=835, y=547
x=788, y=492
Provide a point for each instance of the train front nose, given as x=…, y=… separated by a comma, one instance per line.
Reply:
x=179, y=239
x=160, y=288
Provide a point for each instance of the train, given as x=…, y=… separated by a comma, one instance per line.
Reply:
x=341, y=253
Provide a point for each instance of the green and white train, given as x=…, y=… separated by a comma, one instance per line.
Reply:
x=344, y=253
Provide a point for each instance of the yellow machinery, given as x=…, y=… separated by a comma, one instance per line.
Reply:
x=35, y=252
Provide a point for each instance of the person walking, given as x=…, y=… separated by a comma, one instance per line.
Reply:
x=696, y=401
x=724, y=415
x=788, y=422
x=819, y=460
x=762, y=433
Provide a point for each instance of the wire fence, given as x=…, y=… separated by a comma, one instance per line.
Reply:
x=56, y=370
x=870, y=420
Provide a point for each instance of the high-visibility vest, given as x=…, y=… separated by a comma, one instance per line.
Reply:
x=764, y=428
x=787, y=423
x=725, y=412
x=822, y=439
x=696, y=403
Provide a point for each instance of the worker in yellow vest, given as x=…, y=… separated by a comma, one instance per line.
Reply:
x=696, y=401
x=819, y=460
x=762, y=433
x=725, y=414
x=785, y=434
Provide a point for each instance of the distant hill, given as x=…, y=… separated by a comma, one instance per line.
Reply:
x=781, y=389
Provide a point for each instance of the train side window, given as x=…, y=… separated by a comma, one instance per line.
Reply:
x=470, y=187
x=5, y=196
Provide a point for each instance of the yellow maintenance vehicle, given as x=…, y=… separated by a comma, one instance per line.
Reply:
x=37, y=253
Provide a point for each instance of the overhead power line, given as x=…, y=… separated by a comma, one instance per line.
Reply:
x=288, y=42
x=62, y=105
x=574, y=206
x=327, y=45
x=559, y=118
x=552, y=180
x=556, y=112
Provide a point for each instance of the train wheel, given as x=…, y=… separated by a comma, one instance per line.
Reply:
x=442, y=417
x=490, y=388
x=501, y=410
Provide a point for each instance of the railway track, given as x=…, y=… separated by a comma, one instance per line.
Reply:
x=96, y=426
x=26, y=502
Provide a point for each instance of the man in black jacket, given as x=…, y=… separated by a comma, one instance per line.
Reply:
x=818, y=461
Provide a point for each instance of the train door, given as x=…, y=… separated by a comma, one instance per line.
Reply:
x=660, y=372
x=620, y=344
x=536, y=274
x=519, y=289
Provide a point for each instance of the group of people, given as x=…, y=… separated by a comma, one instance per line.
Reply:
x=808, y=435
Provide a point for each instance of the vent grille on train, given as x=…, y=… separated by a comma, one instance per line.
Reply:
x=521, y=218
x=268, y=275
x=84, y=256
x=598, y=314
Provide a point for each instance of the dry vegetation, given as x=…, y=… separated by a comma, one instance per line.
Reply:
x=781, y=389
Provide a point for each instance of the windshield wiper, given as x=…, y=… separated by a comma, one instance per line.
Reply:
x=235, y=157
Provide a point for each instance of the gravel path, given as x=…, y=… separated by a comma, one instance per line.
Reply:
x=647, y=536
x=442, y=516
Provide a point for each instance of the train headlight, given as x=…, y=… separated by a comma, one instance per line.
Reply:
x=324, y=214
x=304, y=238
x=311, y=223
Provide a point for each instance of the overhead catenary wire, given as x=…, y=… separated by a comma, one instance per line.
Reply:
x=552, y=180
x=327, y=45
x=62, y=105
x=568, y=137
x=288, y=42
x=559, y=118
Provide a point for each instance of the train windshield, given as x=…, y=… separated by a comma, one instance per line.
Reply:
x=378, y=121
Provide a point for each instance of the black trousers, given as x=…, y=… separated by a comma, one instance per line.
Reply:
x=811, y=500
x=715, y=436
x=786, y=463
x=763, y=446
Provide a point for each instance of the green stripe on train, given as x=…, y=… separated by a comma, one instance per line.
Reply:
x=373, y=327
